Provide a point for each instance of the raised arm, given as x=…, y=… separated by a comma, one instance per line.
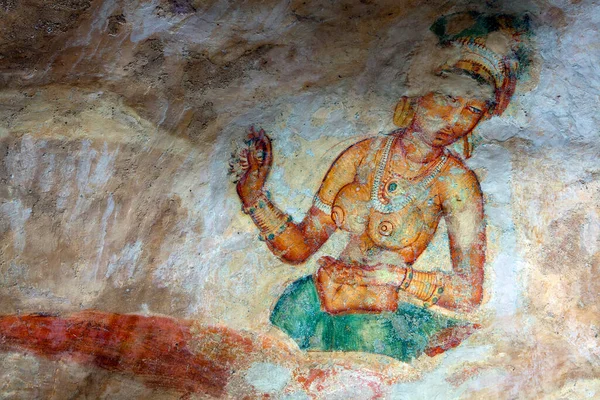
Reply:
x=292, y=242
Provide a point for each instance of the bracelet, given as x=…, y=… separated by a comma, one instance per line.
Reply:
x=280, y=230
x=260, y=202
x=425, y=286
x=269, y=219
x=408, y=275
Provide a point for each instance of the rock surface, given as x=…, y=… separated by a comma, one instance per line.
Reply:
x=117, y=120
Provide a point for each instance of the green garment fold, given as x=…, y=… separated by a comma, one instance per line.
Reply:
x=403, y=334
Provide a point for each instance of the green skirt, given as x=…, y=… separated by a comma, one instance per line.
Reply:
x=403, y=334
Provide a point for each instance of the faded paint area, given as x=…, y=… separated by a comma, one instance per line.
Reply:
x=117, y=121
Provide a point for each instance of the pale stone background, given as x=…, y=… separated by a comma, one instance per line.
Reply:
x=117, y=120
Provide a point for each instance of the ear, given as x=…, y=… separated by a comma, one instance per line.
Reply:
x=404, y=112
x=467, y=145
x=467, y=138
x=489, y=112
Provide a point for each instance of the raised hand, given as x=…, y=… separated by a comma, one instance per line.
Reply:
x=255, y=161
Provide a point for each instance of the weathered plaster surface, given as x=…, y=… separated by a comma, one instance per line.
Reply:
x=116, y=124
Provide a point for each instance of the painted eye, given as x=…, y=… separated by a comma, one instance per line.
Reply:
x=474, y=110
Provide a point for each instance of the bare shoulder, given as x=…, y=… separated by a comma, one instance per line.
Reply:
x=363, y=147
x=356, y=152
x=458, y=183
x=344, y=168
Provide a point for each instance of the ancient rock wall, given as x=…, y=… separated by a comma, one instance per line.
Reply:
x=117, y=121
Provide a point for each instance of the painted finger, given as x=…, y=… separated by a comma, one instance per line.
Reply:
x=325, y=260
x=268, y=150
x=253, y=161
x=251, y=132
x=244, y=163
x=259, y=152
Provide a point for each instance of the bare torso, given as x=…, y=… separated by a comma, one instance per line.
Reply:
x=392, y=212
x=389, y=216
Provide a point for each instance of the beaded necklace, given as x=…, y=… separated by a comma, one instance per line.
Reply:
x=400, y=200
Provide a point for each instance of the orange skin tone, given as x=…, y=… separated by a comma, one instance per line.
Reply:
x=357, y=282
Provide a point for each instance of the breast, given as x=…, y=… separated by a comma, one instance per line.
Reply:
x=399, y=229
x=350, y=209
x=353, y=212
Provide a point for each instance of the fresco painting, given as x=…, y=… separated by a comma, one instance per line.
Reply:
x=286, y=200
x=390, y=194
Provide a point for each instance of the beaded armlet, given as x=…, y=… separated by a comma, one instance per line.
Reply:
x=321, y=205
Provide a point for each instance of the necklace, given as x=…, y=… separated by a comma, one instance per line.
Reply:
x=398, y=202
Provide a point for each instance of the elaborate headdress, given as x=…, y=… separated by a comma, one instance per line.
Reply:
x=492, y=49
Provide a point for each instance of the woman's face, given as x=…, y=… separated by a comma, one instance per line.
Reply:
x=442, y=118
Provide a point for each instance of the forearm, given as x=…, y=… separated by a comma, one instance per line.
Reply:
x=291, y=242
x=451, y=291
x=293, y=245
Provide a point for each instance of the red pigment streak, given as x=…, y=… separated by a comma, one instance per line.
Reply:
x=450, y=338
x=155, y=348
x=312, y=376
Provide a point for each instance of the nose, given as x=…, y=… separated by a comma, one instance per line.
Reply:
x=456, y=115
x=457, y=112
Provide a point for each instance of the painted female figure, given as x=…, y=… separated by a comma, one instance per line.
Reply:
x=390, y=194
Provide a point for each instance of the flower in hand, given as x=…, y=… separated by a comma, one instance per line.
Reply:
x=250, y=166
